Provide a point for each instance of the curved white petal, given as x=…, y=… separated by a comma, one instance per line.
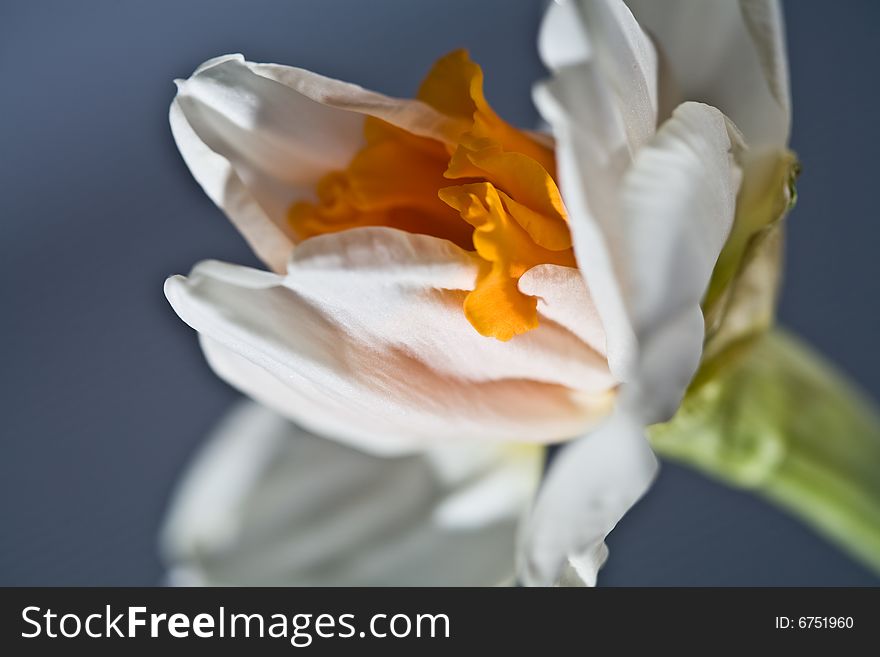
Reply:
x=604, y=32
x=269, y=239
x=592, y=155
x=677, y=203
x=588, y=488
x=728, y=54
x=365, y=339
x=258, y=137
x=648, y=229
x=300, y=402
x=602, y=107
x=648, y=221
x=265, y=503
x=564, y=298
x=624, y=265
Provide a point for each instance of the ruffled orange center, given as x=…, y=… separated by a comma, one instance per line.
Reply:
x=505, y=206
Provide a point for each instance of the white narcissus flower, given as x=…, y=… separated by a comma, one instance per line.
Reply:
x=445, y=284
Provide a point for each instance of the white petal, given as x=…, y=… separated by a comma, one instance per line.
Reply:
x=662, y=224
x=605, y=33
x=269, y=239
x=592, y=155
x=266, y=503
x=678, y=202
x=602, y=107
x=592, y=106
x=258, y=137
x=563, y=39
x=365, y=339
x=590, y=485
x=564, y=298
x=414, y=116
x=727, y=54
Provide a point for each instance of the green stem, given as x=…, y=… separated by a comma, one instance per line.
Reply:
x=785, y=423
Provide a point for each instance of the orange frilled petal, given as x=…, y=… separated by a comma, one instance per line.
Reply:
x=534, y=197
x=392, y=181
x=455, y=87
x=496, y=307
x=507, y=206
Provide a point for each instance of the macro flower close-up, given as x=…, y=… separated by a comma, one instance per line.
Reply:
x=461, y=294
x=443, y=284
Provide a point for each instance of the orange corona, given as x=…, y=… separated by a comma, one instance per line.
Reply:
x=491, y=192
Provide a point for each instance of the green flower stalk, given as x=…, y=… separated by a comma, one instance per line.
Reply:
x=783, y=422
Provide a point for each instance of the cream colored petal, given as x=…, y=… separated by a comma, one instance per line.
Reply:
x=365, y=340
x=266, y=503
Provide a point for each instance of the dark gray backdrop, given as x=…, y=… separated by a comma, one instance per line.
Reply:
x=104, y=393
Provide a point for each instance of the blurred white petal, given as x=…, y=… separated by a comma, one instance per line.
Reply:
x=728, y=54
x=266, y=503
x=365, y=339
x=590, y=485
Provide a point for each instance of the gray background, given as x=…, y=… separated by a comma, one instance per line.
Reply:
x=104, y=392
